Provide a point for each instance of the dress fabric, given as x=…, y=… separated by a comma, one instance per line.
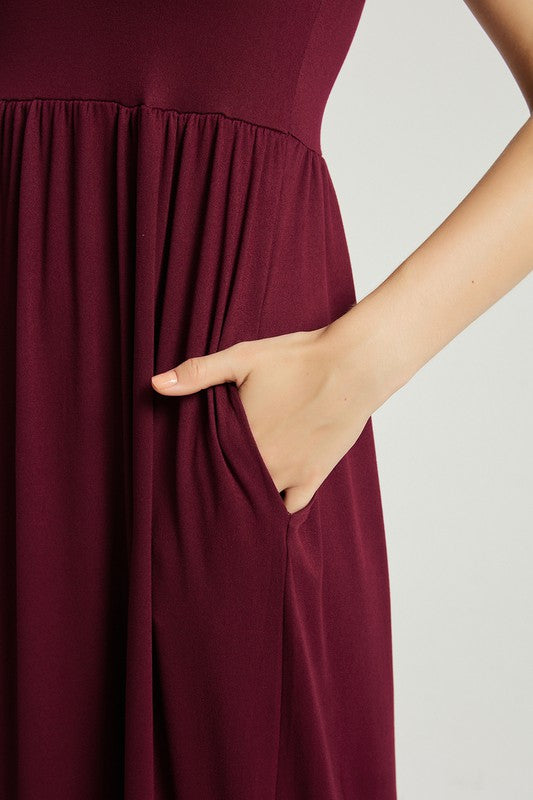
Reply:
x=169, y=631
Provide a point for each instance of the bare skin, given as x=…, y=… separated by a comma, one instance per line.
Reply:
x=309, y=394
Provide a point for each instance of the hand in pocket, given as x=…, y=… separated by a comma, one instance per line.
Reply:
x=297, y=403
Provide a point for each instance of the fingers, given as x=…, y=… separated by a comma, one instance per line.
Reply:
x=199, y=372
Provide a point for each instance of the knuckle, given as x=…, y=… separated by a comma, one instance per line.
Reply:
x=195, y=368
x=240, y=358
x=240, y=352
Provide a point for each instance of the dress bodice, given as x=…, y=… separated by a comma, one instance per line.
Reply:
x=270, y=62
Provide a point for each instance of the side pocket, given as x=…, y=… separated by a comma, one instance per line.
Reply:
x=255, y=453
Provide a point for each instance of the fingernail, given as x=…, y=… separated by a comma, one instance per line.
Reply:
x=165, y=379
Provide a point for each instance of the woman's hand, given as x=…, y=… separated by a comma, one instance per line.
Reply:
x=306, y=403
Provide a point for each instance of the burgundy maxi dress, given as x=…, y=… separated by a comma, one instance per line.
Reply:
x=169, y=631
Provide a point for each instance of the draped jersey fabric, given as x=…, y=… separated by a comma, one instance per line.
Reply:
x=169, y=631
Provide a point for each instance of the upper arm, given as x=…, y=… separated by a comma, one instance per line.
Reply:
x=509, y=24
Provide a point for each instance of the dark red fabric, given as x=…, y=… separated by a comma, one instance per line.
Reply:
x=168, y=629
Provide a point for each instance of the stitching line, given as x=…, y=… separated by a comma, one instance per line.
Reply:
x=169, y=110
x=301, y=67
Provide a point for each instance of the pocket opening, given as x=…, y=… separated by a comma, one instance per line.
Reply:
x=290, y=516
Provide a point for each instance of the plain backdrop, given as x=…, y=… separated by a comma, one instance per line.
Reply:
x=423, y=105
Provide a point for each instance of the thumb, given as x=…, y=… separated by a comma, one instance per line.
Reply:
x=197, y=373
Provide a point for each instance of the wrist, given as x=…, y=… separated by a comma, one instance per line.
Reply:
x=361, y=345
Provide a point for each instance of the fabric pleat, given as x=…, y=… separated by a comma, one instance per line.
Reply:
x=170, y=630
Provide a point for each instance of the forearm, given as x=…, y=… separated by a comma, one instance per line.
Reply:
x=477, y=254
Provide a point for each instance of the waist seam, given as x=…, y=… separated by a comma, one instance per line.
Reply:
x=165, y=109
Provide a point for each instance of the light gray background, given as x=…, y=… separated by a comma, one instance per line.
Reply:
x=422, y=106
